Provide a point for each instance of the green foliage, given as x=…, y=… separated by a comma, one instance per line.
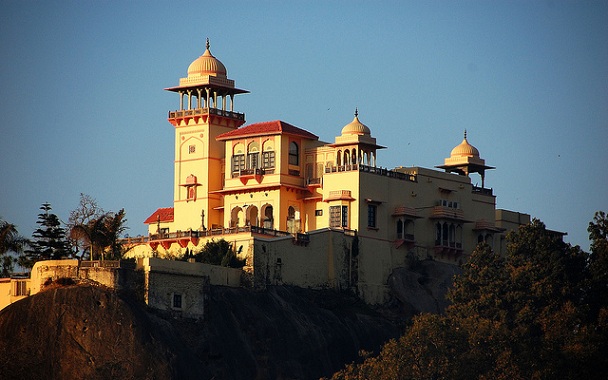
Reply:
x=48, y=240
x=219, y=253
x=539, y=313
x=10, y=242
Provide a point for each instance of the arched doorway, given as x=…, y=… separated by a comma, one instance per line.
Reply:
x=252, y=216
x=293, y=220
x=236, y=217
x=268, y=216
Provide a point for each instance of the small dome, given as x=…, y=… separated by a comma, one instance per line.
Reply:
x=207, y=64
x=356, y=127
x=464, y=149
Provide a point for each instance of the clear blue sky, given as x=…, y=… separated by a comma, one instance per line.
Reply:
x=83, y=109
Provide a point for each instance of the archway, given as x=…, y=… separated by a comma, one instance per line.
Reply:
x=236, y=217
x=252, y=216
x=268, y=216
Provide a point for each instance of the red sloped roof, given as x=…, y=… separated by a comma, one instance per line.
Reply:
x=165, y=213
x=267, y=128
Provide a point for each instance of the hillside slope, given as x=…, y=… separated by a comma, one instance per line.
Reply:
x=87, y=331
x=90, y=332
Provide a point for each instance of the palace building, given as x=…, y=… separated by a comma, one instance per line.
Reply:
x=310, y=213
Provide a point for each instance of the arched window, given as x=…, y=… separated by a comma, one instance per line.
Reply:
x=294, y=154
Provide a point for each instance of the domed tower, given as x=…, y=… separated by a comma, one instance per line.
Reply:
x=206, y=110
x=464, y=159
x=355, y=145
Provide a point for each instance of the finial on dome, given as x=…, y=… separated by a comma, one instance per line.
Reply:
x=465, y=134
x=356, y=112
x=207, y=43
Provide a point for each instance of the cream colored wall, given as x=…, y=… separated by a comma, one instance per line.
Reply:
x=206, y=164
x=51, y=269
x=217, y=275
x=7, y=290
x=162, y=287
x=104, y=276
x=324, y=263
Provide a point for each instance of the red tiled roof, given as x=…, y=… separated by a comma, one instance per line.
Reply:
x=165, y=213
x=267, y=128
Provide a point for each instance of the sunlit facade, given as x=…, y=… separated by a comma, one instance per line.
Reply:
x=274, y=187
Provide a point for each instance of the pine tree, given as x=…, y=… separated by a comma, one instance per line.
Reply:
x=48, y=241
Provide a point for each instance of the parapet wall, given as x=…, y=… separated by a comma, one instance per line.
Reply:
x=217, y=275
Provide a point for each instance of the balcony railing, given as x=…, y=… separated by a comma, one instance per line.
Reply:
x=178, y=235
x=443, y=212
x=206, y=111
x=448, y=244
x=313, y=181
x=372, y=169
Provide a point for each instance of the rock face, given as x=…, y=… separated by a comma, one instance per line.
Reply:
x=281, y=333
x=88, y=332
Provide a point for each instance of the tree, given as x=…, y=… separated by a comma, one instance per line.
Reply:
x=540, y=312
x=101, y=235
x=87, y=211
x=219, y=253
x=10, y=242
x=598, y=262
x=49, y=240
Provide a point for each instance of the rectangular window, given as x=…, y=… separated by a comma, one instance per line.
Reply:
x=334, y=216
x=254, y=160
x=318, y=212
x=268, y=158
x=238, y=162
x=338, y=216
x=20, y=288
x=371, y=215
x=177, y=301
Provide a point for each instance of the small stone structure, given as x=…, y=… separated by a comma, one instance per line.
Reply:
x=174, y=286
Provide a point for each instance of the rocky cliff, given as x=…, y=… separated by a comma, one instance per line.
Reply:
x=87, y=331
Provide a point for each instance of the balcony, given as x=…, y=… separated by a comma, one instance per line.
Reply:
x=184, y=237
x=313, y=182
x=206, y=111
x=449, y=248
x=405, y=211
x=372, y=169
